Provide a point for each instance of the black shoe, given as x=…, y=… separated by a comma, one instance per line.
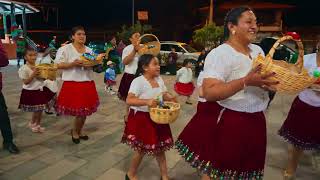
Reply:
x=127, y=177
x=48, y=112
x=12, y=148
x=75, y=140
x=84, y=137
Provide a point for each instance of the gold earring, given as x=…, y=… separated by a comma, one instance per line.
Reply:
x=233, y=32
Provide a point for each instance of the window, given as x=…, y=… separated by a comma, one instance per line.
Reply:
x=165, y=47
x=178, y=49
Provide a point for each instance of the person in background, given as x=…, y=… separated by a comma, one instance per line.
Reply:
x=48, y=58
x=200, y=62
x=5, y=125
x=21, y=47
x=53, y=42
x=130, y=58
x=172, y=62
x=110, y=78
x=301, y=128
x=184, y=85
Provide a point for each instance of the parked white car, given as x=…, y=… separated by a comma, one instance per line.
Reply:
x=183, y=50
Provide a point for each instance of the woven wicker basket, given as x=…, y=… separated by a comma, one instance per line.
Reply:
x=292, y=78
x=165, y=116
x=150, y=45
x=47, y=71
x=91, y=61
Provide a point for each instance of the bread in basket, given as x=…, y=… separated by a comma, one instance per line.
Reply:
x=292, y=78
x=47, y=71
x=91, y=59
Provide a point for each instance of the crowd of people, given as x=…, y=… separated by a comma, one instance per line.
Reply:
x=225, y=139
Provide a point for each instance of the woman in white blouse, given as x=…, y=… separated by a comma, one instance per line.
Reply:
x=301, y=128
x=235, y=148
x=78, y=96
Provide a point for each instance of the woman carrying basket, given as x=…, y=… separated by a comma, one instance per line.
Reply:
x=130, y=59
x=301, y=128
x=141, y=133
x=78, y=96
x=234, y=145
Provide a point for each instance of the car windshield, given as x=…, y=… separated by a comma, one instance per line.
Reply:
x=188, y=48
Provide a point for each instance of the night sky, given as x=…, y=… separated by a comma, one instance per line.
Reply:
x=173, y=18
x=110, y=13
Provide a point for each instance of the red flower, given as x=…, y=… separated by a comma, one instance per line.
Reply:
x=294, y=35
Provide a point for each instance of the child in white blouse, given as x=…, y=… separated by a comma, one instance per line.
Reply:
x=184, y=85
x=35, y=97
x=141, y=133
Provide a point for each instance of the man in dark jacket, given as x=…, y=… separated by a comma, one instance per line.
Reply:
x=5, y=125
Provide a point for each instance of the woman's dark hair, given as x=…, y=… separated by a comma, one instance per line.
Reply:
x=186, y=61
x=144, y=60
x=75, y=29
x=233, y=17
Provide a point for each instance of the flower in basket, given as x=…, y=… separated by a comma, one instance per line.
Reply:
x=92, y=58
x=295, y=35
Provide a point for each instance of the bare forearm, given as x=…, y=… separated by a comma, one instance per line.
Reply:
x=127, y=60
x=28, y=81
x=168, y=97
x=65, y=65
x=222, y=91
x=136, y=101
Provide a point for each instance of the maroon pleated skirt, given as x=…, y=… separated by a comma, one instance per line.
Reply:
x=234, y=147
x=125, y=86
x=145, y=136
x=35, y=100
x=185, y=89
x=302, y=126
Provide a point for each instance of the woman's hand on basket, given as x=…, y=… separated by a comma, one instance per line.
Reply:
x=77, y=63
x=152, y=103
x=169, y=97
x=255, y=78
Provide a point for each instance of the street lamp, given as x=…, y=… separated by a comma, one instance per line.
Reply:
x=132, y=12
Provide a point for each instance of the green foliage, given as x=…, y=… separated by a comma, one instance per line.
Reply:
x=208, y=36
x=127, y=31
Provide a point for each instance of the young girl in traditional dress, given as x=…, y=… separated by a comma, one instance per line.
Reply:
x=35, y=97
x=130, y=59
x=301, y=128
x=184, y=85
x=141, y=133
x=110, y=78
x=228, y=140
x=78, y=96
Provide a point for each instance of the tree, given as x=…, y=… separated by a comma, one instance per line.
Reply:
x=208, y=36
x=127, y=31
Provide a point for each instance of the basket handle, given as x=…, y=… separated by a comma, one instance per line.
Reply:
x=149, y=35
x=299, y=62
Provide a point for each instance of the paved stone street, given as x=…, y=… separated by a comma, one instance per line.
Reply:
x=52, y=155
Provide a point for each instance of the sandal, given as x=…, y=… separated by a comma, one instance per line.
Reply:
x=287, y=176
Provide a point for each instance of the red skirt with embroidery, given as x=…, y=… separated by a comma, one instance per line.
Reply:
x=36, y=100
x=185, y=89
x=125, y=86
x=301, y=128
x=145, y=136
x=232, y=148
x=77, y=98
